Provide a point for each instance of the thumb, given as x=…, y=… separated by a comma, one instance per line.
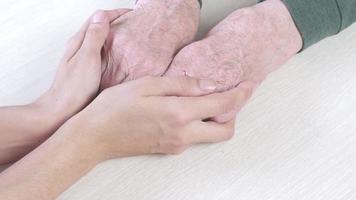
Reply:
x=181, y=86
x=96, y=34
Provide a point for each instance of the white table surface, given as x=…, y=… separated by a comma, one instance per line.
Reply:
x=296, y=139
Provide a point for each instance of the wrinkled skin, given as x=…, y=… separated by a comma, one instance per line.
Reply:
x=144, y=41
x=248, y=45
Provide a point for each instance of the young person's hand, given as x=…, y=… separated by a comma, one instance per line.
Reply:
x=76, y=84
x=158, y=115
x=79, y=74
x=145, y=116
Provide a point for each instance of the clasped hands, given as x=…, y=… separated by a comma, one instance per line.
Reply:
x=134, y=82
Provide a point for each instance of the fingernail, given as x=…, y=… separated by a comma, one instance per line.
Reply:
x=99, y=17
x=207, y=85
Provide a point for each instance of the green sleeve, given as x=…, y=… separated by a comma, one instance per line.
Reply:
x=317, y=19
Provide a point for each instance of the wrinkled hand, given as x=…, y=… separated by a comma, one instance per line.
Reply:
x=158, y=115
x=144, y=41
x=249, y=44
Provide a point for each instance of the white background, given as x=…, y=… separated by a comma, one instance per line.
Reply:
x=296, y=139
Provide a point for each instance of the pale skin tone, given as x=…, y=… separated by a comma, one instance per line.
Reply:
x=144, y=41
x=147, y=116
x=76, y=83
x=261, y=38
x=248, y=45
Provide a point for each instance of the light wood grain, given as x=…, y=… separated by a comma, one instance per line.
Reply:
x=296, y=139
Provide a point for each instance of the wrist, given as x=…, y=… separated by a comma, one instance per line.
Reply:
x=104, y=142
x=79, y=133
x=279, y=26
x=50, y=112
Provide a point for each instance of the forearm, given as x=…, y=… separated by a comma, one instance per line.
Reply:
x=51, y=168
x=23, y=128
x=280, y=31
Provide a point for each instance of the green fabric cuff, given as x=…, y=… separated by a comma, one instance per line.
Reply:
x=348, y=12
x=315, y=19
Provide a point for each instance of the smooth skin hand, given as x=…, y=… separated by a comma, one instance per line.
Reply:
x=144, y=41
x=145, y=116
x=247, y=45
x=76, y=83
x=161, y=115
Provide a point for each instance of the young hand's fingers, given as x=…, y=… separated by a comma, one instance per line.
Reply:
x=76, y=41
x=208, y=132
x=95, y=36
x=182, y=86
x=205, y=107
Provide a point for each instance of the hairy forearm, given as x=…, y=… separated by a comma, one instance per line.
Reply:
x=51, y=168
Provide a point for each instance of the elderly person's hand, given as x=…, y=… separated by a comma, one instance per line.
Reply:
x=143, y=42
x=247, y=45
